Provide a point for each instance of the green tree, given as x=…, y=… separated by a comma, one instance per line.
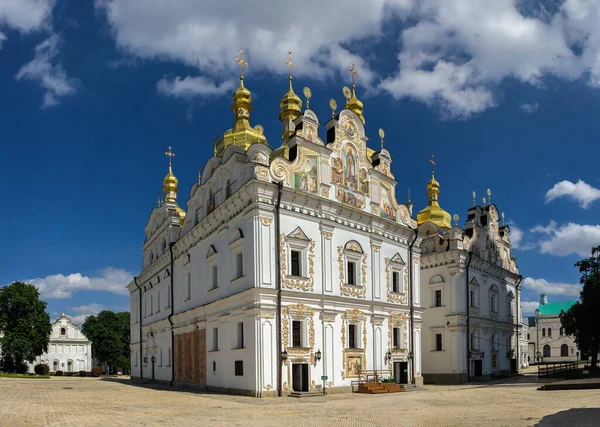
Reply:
x=109, y=334
x=24, y=324
x=582, y=320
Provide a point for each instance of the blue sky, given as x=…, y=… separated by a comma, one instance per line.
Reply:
x=507, y=97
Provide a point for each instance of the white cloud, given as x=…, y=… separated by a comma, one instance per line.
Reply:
x=580, y=192
x=543, y=286
x=2, y=38
x=46, y=70
x=454, y=54
x=25, y=15
x=568, y=239
x=60, y=286
x=529, y=108
x=193, y=86
x=85, y=311
x=518, y=239
x=529, y=307
x=79, y=319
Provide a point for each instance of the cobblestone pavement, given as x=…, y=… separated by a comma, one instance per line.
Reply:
x=92, y=402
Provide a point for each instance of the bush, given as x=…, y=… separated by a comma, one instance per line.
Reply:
x=82, y=373
x=41, y=369
x=69, y=374
x=97, y=371
x=21, y=369
x=59, y=373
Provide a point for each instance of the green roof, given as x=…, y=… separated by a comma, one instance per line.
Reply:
x=554, y=308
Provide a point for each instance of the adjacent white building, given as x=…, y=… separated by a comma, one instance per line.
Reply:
x=68, y=350
x=470, y=293
x=289, y=270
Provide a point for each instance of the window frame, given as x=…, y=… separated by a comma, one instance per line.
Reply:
x=438, y=341
x=299, y=336
x=239, y=368
x=352, y=339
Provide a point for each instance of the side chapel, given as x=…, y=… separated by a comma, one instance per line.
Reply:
x=290, y=269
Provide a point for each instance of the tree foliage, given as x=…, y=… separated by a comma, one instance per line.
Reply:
x=24, y=324
x=109, y=333
x=582, y=320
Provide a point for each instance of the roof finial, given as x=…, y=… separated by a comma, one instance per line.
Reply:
x=409, y=195
x=381, y=135
x=489, y=193
x=307, y=94
x=215, y=145
x=199, y=176
x=432, y=161
x=290, y=65
x=170, y=155
x=474, y=196
x=455, y=217
x=242, y=64
x=502, y=218
x=333, y=106
x=353, y=72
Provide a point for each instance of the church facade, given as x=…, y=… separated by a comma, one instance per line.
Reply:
x=291, y=269
x=470, y=287
x=68, y=349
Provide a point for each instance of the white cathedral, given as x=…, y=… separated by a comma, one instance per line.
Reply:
x=296, y=269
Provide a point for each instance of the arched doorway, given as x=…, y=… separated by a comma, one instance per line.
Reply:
x=546, y=350
x=70, y=366
x=55, y=366
x=564, y=350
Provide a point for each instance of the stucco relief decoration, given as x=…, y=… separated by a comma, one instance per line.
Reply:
x=305, y=284
x=266, y=221
x=325, y=191
x=262, y=173
x=398, y=320
x=210, y=204
x=352, y=290
x=280, y=169
x=354, y=359
x=260, y=157
x=393, y=296
x=363, y=181
x=297, y=311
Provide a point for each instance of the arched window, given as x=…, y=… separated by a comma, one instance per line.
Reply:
x=543, y=332
x=546, y=350
x=55, y=366
x=63, y=331
x=528, y=336
x=560, y=331
x=494, y=299
x=549, y=332
x=564, y=350
x=70, y=366
x=510, y=305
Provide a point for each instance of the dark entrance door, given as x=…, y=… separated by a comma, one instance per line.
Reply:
x=397, y=376
x=478, y=365
x=513, y=366
x=300, y=377
x=403, y=372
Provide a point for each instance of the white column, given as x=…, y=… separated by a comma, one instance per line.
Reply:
x=327, y=261
x=329, y=354
x=376, y=269
x=268, y=348
x=265, y=255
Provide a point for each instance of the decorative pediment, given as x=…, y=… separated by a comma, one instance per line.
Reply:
x=211, y=251
x=236, y=235
x=436, y=279
x=474, y=282
x=298, y=234
x=353, y=246
x=397, y=259
x=167, y=273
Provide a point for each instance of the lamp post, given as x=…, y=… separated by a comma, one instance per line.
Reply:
x=284, y=356
x=318, y=355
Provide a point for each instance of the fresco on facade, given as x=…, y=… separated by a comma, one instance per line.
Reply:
x=353, y=366
x=306, y=179
x=210, y=206
x=387, y=211
x=337, y=171
x=350, y=166
x=349, y=197
x=363, y=181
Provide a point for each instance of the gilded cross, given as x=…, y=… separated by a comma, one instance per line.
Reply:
x=241, y=63
x=170, y=155
x=353, y=71
x=290, y=64
x=432, y=161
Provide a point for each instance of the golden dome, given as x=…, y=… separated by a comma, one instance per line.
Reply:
x=170, y=189
x=356, y=105
x=290, y=107
x=433, y=212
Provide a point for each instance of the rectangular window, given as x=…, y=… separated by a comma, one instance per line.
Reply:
x=296, y=333
x=493, y=304
x=549, y=332
x=473, y=342
x=239, y=368
x=189, y=287
x=215, y=277
x=169, y=358
x=396, y=337
x=472, y=298
x=160, y=358
x=395, y=281
x=215, y=339
x=296, y=263
x=145, y=306
x=168, y=296
x=151, y=305
x=158, y=301
x=351, y=273
x=240, y=337
x=438, y=342
x=351, y=336
x=135, y=358
x=438, y=298
x=214, y=366
x=239, y=265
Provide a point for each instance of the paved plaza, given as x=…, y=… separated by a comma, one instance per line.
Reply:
x=99, y=402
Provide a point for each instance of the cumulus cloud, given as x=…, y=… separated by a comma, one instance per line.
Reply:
x=85, y=311
x=193, y=86
x=529, y=108
x=518, y=239
x=529, y=307
x=452, y=54
x=543, y=286
x=580, y=191
x=25, y=15
x=46, y=70
x=568, y=239
x=59, y=286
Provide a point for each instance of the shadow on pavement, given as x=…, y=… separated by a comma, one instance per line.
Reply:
x=580, y=417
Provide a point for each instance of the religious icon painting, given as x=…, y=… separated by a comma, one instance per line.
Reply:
x=353, y=365
x=350, y=166
x=387, y=210
x=337, y=171
x=306, y=179
x=349, y=198
x=363, y=181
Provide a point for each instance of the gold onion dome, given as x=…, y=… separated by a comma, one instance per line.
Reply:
x=433, y=212
x=290, y=107
x=353, y=103
x=170, y=189
x=242, y=134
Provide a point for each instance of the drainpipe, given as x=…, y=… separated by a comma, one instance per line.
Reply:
x=140, y=322
x=278, y=287
x=468, y=319
x=171, y=321
x=412, y=306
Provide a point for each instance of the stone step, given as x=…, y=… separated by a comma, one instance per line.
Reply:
x=303, y=394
